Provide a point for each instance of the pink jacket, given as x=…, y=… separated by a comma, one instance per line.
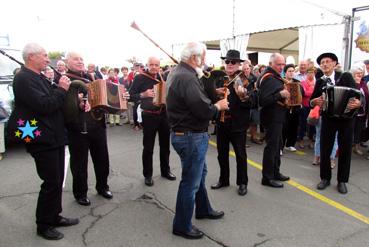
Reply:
x=308, y=87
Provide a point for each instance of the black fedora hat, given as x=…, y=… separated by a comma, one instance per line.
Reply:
x=329, y=55
x=233, y=55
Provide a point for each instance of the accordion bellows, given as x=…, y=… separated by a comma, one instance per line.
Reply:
x=108, y=96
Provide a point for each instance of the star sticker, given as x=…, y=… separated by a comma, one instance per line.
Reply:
x=20, y=122
x=27, y=139
x=34, y=122
x=18, y=133
x=28, y=130
x=38, y=132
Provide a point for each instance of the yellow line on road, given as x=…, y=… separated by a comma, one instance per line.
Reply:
x=312, y=193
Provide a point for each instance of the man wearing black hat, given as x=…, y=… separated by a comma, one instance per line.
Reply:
x=330, y=125
x=232, y=128
x=272, y=95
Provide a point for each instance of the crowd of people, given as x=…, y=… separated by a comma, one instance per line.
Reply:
x=271, y=103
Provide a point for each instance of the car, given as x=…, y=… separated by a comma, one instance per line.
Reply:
x=7, y=68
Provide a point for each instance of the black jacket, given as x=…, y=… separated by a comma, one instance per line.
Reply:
x=239, y=111
x=269, y=95
x=188, y=107
x=139, y=85
x=36, y=99
x=320, y=84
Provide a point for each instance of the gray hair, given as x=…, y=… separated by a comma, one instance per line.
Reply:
x=356, y=68
x=60, y=62
x=192, y=48
x=274, y=56
x=31, y=48
x=71, y=54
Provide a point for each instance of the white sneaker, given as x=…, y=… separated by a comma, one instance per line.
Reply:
x=292, y=149
x=281, y=153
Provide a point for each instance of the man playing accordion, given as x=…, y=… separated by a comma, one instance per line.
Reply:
x=333, y=124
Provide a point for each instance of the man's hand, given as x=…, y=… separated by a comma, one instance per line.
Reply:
x=222, y=105
x=149, y=93
x=353, y=104
x=126, y=95
x=64, y=82
x=285, y=94
x=241, y=93
x=83, y=104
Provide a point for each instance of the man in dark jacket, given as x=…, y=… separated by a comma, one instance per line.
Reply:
x=331, y=125
x=81, y=143
x=189, y=111
x=40, y=123
x=232, y=128
x=154, y=119
x=272, y=95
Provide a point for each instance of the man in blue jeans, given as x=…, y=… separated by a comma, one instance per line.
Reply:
x=189, y=111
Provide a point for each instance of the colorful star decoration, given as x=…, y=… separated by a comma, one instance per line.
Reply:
x=27, y=130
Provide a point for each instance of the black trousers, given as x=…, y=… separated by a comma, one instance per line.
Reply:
x=238, y=140
x=79, y=145
x=50, y=168
x=290, y=128
x=271, y=155
x=345, y=134
x=153, y=123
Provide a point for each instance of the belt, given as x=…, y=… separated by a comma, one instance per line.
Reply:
x=158, y=112
x=182, y=133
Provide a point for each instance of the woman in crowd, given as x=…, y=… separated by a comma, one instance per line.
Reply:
x=360, y=119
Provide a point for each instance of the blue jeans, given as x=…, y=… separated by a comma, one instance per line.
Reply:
x=191, y=148
x=317, y=142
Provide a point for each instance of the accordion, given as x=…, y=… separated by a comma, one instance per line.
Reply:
x=106, y=96
x=337, y=99
x=294, y=88
x=160, y=92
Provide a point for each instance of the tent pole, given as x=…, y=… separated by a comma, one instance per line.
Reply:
x=348, y=22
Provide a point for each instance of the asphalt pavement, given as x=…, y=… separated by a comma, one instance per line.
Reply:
x=139, y=216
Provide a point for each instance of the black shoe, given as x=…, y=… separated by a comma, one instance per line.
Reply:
x=323, y=184
x=219, y=185
x=149, y=181
x=242, y=189
x=341, y=187
x=106, y=194
x=50, y=234
x=271, y=183
x=62, y=221
x=193, y=234
x=169, y=176
x=214, y=215
x=281, y=177
x=84, y=201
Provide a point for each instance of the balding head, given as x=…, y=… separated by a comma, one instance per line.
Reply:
x=35, y=57
x=153, y=65
x=277, y=62
x=303, y=66
x=75, y=62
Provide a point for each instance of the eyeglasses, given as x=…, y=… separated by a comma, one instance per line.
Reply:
x=233, y=62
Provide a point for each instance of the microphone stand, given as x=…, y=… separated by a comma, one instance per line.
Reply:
x=84, y=123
